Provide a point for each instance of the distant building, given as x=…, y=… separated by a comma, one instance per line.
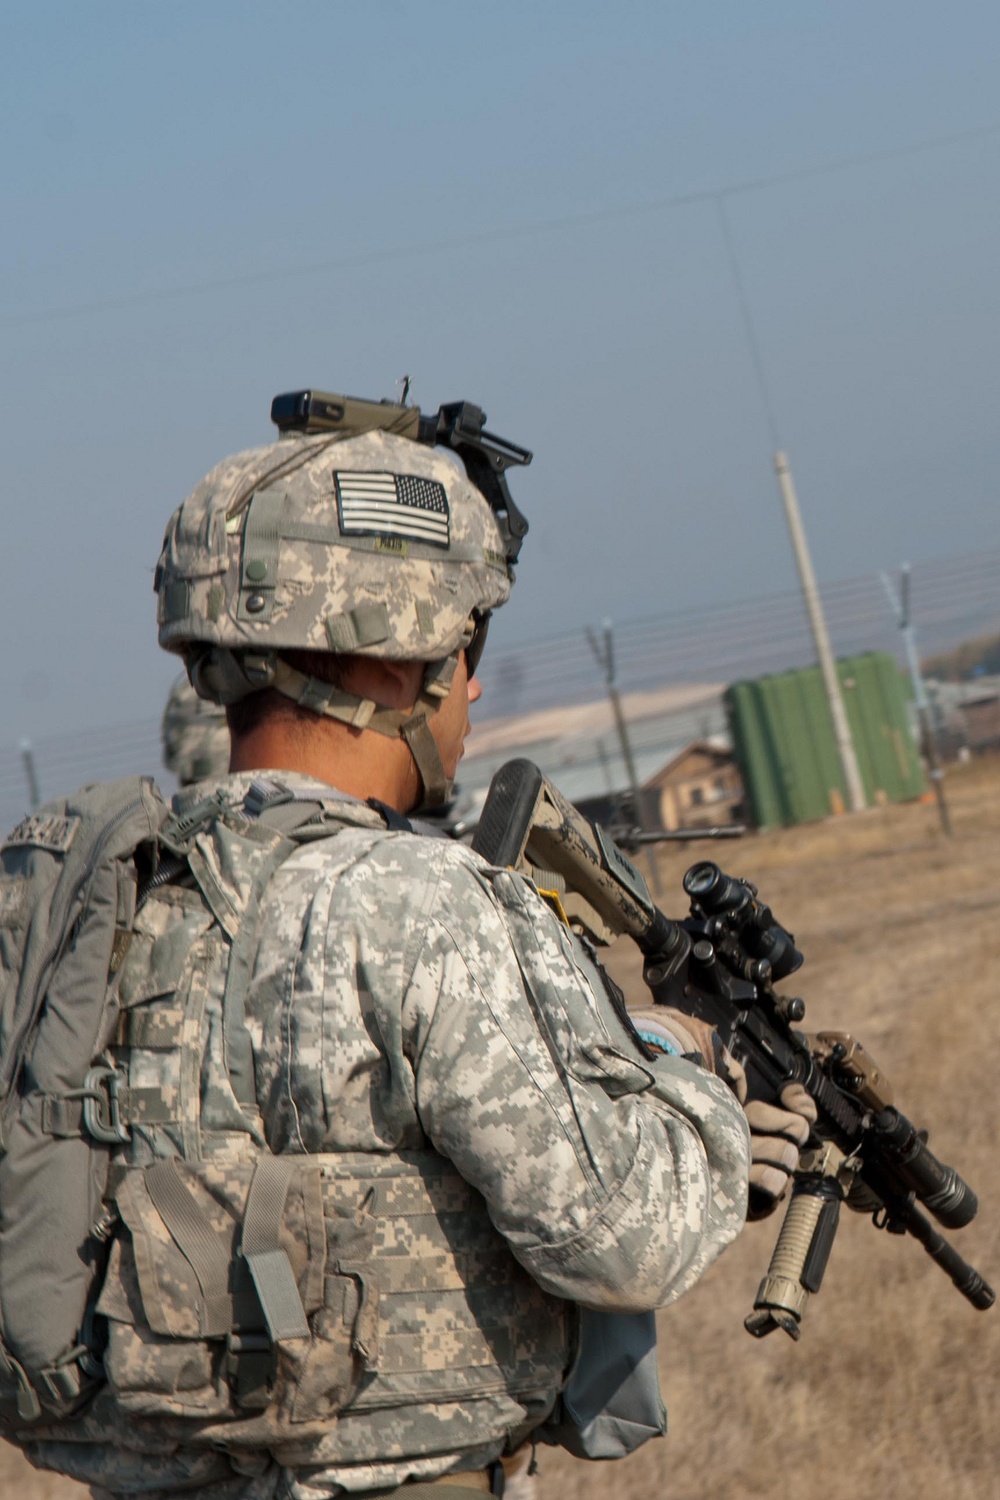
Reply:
x=700, y=786
x=981, y=714
x=577, y=747
x=966, y=715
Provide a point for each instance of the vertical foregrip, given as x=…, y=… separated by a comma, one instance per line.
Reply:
x=799, y=1258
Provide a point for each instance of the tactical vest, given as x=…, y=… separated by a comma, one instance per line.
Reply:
x=413, y=1313
x=338, y=1308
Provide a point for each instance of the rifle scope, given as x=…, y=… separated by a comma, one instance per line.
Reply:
x=735, y=901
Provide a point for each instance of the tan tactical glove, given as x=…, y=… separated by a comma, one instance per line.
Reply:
x=777, y=1135
x=778, y=1132
x=520, y=1481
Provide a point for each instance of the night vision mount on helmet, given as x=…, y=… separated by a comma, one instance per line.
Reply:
x=457, y=425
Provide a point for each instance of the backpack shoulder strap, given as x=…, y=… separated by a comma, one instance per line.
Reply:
x=238, y=1046
x=59, y=853
x=396, y=822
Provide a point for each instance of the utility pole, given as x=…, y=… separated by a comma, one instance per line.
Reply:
x=602, y=756
x=814, y=609
x=841, y=730
x=605, y=656
x=900, y=606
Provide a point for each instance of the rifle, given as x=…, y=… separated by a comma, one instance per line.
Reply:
x=629, y=838
x=721, y=964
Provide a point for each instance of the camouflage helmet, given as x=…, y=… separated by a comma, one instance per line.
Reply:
x=195, y=735
x=369, y=545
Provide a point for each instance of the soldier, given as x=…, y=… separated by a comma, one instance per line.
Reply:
x=194, y=734
x=498, y=1148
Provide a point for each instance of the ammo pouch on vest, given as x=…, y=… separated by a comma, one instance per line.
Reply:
x=236, y=1294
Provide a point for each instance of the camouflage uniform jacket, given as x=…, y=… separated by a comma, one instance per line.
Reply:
x=410, y=1003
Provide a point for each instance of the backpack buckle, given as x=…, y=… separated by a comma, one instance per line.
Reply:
x=102, y=1105
x=263, y=792
x=250, y=1367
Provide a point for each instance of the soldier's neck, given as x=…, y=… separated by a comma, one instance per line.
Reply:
x=360, y=762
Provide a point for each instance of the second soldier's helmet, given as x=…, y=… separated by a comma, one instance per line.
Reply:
x=195, y=736
x=369, y=545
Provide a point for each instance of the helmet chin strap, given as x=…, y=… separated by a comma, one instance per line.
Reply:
x=420, y=742
x=412, y=725
x=225, y=676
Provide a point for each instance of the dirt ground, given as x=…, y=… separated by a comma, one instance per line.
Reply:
x=892, y=1390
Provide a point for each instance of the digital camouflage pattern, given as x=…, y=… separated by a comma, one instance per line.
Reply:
x=458, y=1104
x=256, y=556
x=194, y=734
x=526, y=1079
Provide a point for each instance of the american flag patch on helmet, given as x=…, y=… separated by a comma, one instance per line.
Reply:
x=403, y=505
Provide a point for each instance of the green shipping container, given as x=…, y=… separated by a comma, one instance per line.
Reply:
x=784, y=741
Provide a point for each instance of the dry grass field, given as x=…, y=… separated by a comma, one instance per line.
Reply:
x=891, y=1392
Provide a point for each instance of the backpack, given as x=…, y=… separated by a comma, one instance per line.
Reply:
x=159, y=1266
x=68, y=882
x=85, y=1156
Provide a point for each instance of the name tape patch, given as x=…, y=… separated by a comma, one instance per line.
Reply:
x=393, y=505
x=38, y=832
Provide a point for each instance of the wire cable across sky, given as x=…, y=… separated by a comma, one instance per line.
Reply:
x=954, y=599
x=497, y=234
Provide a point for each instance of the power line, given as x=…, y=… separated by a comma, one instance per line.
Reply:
x=497, y=234
x=948, y=574
x=954, y=598
x=866, y=158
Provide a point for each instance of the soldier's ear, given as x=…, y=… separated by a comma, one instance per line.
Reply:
x=392, y=684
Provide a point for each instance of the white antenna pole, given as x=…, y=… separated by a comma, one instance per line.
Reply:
x=814, y=609
x=841, y=731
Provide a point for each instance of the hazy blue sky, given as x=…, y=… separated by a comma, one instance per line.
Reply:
x=208, y=203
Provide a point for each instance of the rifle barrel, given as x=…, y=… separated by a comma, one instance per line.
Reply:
x=965, y=1277
x=637, y=836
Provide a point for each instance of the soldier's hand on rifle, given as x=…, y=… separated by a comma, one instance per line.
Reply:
x=778, y=1132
